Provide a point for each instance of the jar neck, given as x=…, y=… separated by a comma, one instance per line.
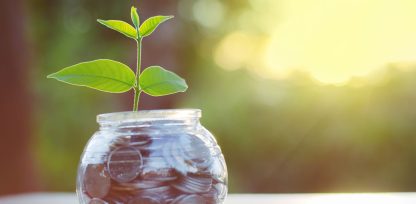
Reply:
x=172, y=118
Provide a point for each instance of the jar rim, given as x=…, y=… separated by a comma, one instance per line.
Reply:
x=143, y=115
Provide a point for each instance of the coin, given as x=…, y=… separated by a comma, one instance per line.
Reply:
x=154, y=162
x=188, y=154
x=216, y=193
x=197, y=153
x=170, y=152
x=118, y=197
x=189, y=199
x=140, y=140
x=97, y=201
x=218, y=169
x=96, y=180
x=158, y=141
x=156, y=168
x=162, y=175
x=166, y=168
x=163, y=191
x=124, y=164
x=221, y=190
x=193, y=183
x=149, y=199
x=142, y=184
x=119, y=141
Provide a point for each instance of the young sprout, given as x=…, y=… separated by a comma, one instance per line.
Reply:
x=115, y=77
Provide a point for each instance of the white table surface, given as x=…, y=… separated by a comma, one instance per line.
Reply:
x=362, y=198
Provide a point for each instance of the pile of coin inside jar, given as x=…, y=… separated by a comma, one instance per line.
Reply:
x=157, y=169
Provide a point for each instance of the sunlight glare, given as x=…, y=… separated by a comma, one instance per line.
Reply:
x=333, y=41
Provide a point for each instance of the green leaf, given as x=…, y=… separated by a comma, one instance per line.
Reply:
x=103, y=74
x=121, y=27
x=157, y=81
x=135, y=17
x=151, y=24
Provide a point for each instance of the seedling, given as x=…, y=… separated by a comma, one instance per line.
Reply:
x=115, y=77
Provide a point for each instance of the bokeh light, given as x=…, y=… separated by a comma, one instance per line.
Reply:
x=332, y=40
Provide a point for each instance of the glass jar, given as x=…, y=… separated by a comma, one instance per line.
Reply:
x=152, y=157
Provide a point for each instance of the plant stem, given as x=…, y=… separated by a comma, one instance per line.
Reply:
x=136, y=99
x=137, y=90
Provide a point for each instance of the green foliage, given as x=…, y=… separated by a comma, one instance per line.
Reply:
x=103, y=74
x=157, y=81
x=151, y=24
x=115, y=77
x=120, y=26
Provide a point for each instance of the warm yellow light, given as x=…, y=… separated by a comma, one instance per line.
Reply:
x=332, y=40
x=335, y=40
x=237, y=50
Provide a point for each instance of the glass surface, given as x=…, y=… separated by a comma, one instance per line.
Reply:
x=157, y=156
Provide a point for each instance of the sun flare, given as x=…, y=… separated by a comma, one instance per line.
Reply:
x=331, y=40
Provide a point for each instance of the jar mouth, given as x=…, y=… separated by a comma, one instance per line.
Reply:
x=146, y=115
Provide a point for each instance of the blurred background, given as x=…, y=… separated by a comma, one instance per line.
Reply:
x=303, y=96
